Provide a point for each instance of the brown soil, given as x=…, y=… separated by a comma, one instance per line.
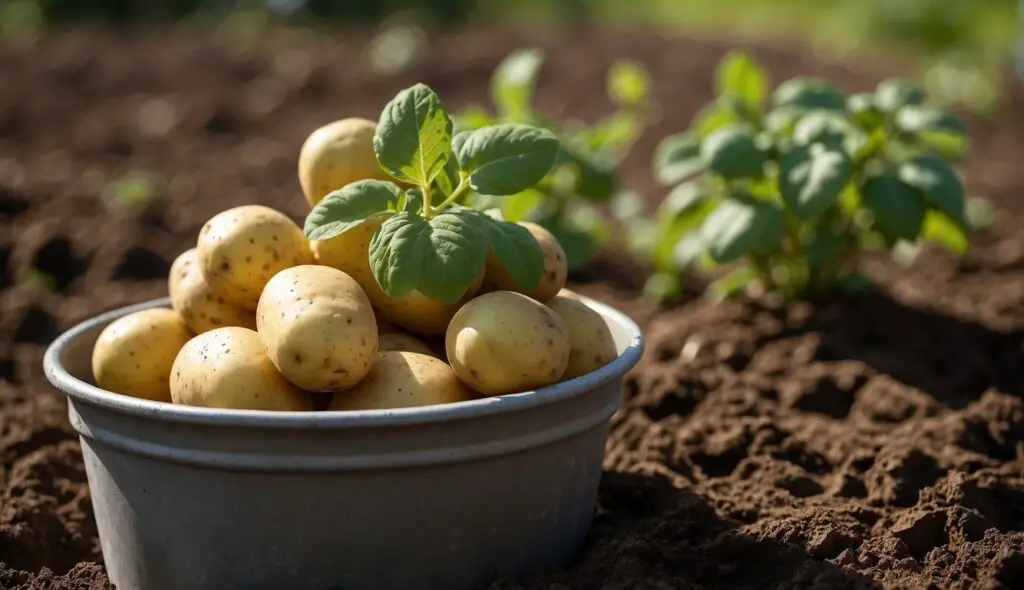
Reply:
x=874, y=441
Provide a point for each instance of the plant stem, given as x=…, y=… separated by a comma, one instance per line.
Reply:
x=427, y=210
x=463, y=185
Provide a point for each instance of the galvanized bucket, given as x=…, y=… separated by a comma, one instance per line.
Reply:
x=439, y=497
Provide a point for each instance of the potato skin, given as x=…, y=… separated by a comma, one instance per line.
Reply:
x=228, y=368
x=414, y=311
x=196, y=303
x=496, y=277
x=400, y=379
x=336, y=154
x=505, y=342
x=317, y=327
x=403, y=343
x=242, y=248
x=591, y=345
x=133, y=355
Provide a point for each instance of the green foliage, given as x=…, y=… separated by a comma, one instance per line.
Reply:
x=438, y=245
x=566, y=198
x=794, y=190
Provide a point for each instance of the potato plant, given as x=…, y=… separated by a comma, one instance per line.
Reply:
x=790, y=185
x=566, y=200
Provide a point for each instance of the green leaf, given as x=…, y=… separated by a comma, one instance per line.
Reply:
x=713, y=117
x=349, y=206
x=440, y=257
x=732, y=153
x=682, y=211
x=677, y=157
x=821, y=246
x=916, y=119
x=732, y=284
x=449, y=177
x=473, y=117
x=809, y=93
x=781, y=122
x=519, y=206
x=898, y=208
x=938, y=183
x=596, y=181
x=513, y=82
x=741, y=76
x=812, y=177
x=896, y=93
x=508, y=158
x=662, y=287
x=865, y=111
x=940, y=228
x=822, y=126
x=518, y=251
x=628, y=82
x=576, y=243
x=741, y=225
x=413, y=138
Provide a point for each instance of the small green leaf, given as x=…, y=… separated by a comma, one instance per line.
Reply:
x=732, y=284
x=896, y=93
x=413, y=138
x=449, y=177
x=741, y=225
x=898, y=208
x=682, y=211
x=521, y=205
x=732, y=153
x=822, y=126
x=596, y=181
x=518, y=251
x=473, y=117
x=677, y=157
x=506, y=159
x=440, y=257
x=628, y=82
x=916, y=119
x=741, y=76
x=513, y=82
x=865, y=111
x=349, y=206
x=940, y=228
x=662, y=287
x=713, y=117
x=809, y=93
x=781, y=122
x=812, y=177
x=939, y=184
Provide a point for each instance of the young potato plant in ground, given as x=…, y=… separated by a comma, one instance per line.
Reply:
x=566, y=200
x=427, y=239
x=790, y=185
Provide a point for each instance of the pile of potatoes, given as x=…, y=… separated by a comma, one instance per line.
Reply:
x=263, y=319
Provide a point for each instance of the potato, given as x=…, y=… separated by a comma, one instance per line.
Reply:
x=228, y=368
x=384, y=325
x=591, y=345
x=506, y=342
x=414, y=311
x=337, y=154
x=317, y=326
x=134, y=353
x=196, y=303
x=400, y=379
x=496, y=277
x=241, y=248
x=403, y=342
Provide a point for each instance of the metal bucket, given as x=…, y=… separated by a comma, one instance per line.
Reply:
x=440, y=497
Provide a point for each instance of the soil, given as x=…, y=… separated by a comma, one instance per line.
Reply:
x=875, y=441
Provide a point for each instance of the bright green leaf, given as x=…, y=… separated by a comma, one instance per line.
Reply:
x=741, y=225
x=809, y=93
x=812, y=177
x=513, y=82
x=628, y=82
x=731, y=284
x=473, y=117
x=677, y=157
x=741, y=76
x=413, y=137
x=732, y=153
x=349, y=206
x=896, y=93
x=519, y=206
x=506, y=159
x=682, y=211
x=915, y=119
x=898, y=208
x=822, y=126
x=449, y=177
x=662, y=287
x=440, y=257
x=940, y=228
x=596, y=181
x=713, y=117
x=518, y=251
x=939, y=184
x=865, y=111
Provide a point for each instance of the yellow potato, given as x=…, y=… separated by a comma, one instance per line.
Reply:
x=337, y=154
x=506, y=342
x=241, y=248
x=414, y=311
x=496, y=277
x=400, y=379
x=317, y=326
x=228, y=368
x=403, y=342
x=591, y=345
x=196, y=303
x=134, y=353
x=384, y=325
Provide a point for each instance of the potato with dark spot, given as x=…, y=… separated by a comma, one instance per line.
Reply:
x=591, y=345
x=134, y=353
x=414, y=311
x=241, y=248
x=556, y=269
x=228, y=368
x=403, y=342
x=196, y=303
x=337, y=154
x=505, y=342
x=400, y=379
x=317, y=326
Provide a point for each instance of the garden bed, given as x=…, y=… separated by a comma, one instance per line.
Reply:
x=863, y=441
